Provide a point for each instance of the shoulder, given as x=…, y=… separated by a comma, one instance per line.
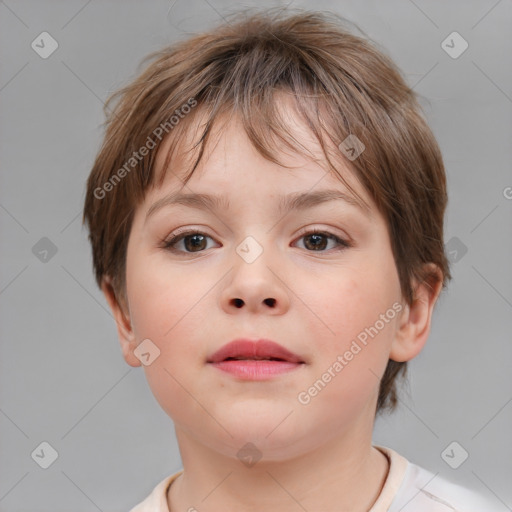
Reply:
x=157, y=499
x=424, y=491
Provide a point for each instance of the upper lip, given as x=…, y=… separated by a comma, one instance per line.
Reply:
x=259, y=349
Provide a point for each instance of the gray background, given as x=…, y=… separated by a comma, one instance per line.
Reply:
x=62, y=376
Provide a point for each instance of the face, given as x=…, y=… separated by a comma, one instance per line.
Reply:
x=198, y=278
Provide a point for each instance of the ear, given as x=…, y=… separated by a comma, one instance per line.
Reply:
x=122, y=318
x=415, y=320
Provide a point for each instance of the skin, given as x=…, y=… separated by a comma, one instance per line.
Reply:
x=322, y=300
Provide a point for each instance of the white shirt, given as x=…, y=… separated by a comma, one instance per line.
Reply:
x=408, y=488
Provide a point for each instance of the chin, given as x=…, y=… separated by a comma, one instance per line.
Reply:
x=273, y=431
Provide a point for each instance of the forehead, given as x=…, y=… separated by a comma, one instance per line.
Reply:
x=179, y=151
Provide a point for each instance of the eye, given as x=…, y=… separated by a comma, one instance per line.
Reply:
x=191, y=241
x=194, y=241
x=317, y=240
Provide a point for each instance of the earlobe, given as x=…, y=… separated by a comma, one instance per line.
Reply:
x=124, y=328
x=415, y=321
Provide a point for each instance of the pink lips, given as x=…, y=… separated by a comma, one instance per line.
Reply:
x=254, y=360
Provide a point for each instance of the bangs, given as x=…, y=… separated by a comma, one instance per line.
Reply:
x=266, y=121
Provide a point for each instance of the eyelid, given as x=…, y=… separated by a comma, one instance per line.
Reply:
x=331, y=231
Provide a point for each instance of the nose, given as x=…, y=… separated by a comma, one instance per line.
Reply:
x=257, y=286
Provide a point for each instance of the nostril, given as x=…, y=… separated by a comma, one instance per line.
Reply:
x=270, y=302
x=238, y=302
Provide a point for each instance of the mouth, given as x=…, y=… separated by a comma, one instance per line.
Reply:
x=260, y=350
x=255, y=360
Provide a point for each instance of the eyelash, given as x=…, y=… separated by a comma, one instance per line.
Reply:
x=176, y=237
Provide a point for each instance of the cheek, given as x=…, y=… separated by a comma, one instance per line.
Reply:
x=350, y=360
x=353, y=300
x=158, y=297
x=166, y=308
x=353, y=350
x=167, y=311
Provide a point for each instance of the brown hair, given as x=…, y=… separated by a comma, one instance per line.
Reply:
x=342, y=85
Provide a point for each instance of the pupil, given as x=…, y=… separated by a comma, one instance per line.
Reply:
x=197, y=244
x=317, y=237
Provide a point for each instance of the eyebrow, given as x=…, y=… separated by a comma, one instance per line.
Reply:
x=291, y=202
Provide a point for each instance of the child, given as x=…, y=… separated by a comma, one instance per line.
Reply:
x=273, y=352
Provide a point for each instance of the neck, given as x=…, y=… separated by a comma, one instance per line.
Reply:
x=344, y=474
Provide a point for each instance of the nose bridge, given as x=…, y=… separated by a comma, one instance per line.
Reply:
x=250, y=249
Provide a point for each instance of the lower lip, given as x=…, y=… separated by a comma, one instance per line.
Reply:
x=251, y=369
